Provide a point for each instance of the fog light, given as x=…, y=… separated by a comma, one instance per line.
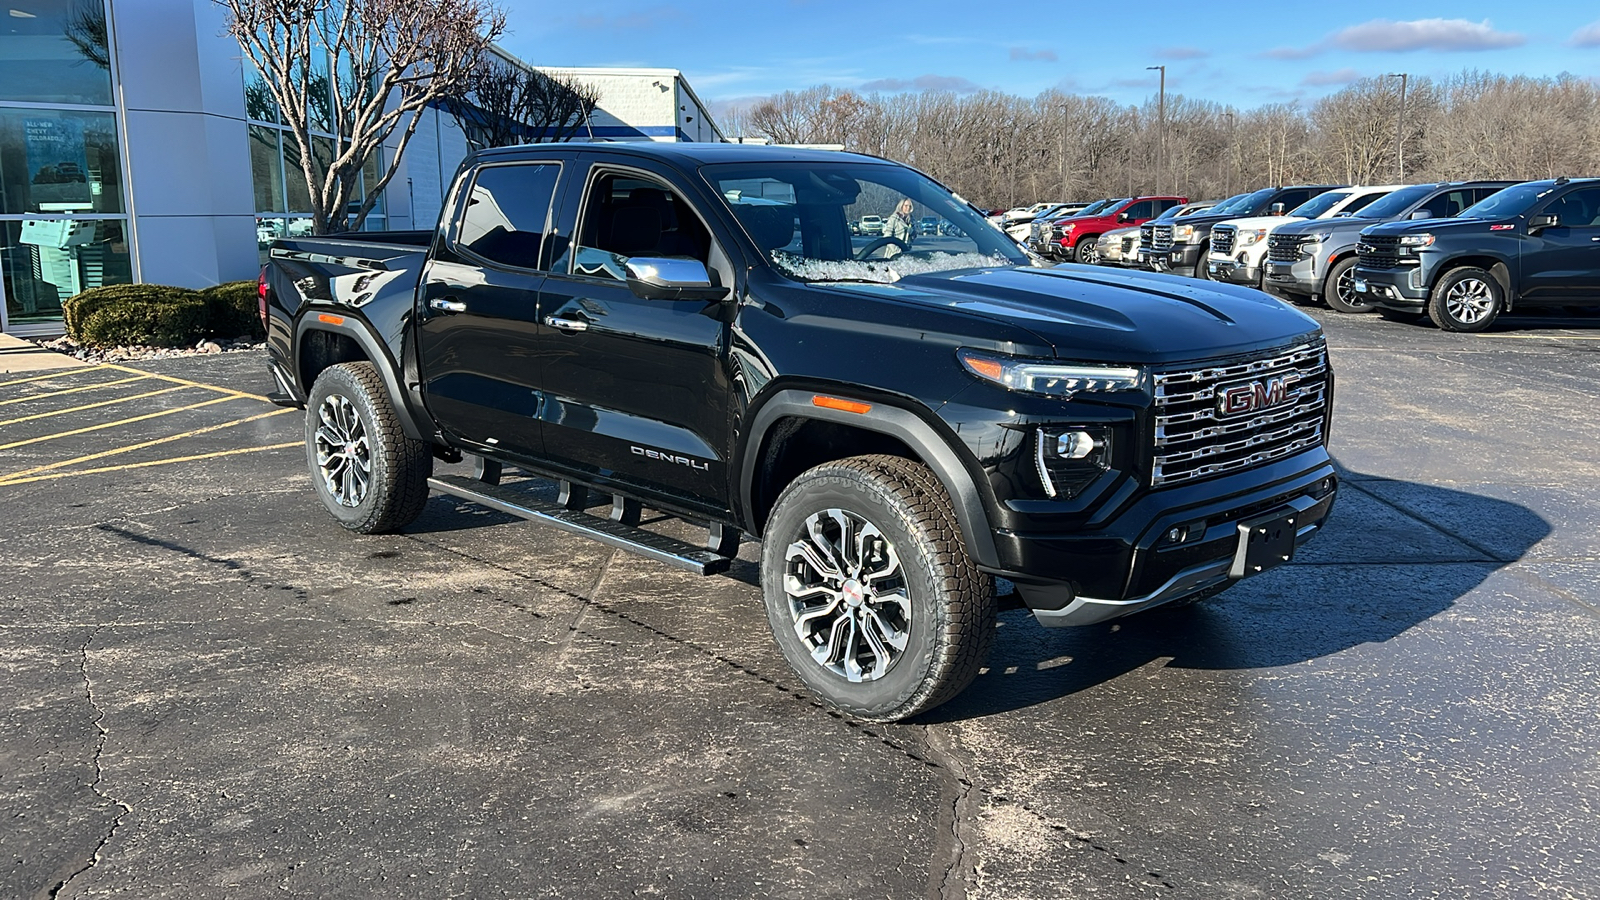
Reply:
x=1075, y=445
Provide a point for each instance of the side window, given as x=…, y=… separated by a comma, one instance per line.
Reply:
x=630, y=215
x=1451, y=204
x=1164, y=205
x=1361, y=201
x=1578, y=209
x=1295, y=198
x=1483, y=193
x=508, y=213
x=1144, y=209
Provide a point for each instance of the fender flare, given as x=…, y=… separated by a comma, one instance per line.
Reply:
x=932, y=450
x=357, y=330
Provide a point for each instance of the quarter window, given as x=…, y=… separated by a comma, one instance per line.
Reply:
x=508, y=213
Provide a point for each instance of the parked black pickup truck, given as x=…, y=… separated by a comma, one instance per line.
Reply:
x=693, y=327
x=1182, y=247
x=1533, y=244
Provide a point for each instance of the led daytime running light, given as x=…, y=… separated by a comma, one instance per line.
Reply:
x=1050, y=378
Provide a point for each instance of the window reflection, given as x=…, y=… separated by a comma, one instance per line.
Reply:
x=45, y=261
x=58, y=161
x=55, y=51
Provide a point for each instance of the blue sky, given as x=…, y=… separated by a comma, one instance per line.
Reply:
x=1242, y=55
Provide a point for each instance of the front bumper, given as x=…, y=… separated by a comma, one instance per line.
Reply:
x=1399, y=288
x=1182, y=259
x=1298, y=277
x=1231, y=271
x=1131, y=564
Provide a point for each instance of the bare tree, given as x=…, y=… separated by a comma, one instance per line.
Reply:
x=385, y=60
x=505, y=104
x=559, y=107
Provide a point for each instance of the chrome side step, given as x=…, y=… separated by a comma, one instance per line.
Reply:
x=633, y=539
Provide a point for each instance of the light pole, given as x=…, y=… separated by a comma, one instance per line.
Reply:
x=1063, y=108
x=1400, y=127
x=1161, y=133
x=1227, y=178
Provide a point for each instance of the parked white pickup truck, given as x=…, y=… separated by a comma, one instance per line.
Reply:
x=1239, y=246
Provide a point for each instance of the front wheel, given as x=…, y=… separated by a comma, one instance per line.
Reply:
x=1467, y=299
x=1202, y=269
x=869, y=589
x=1339, y=290
x=1088, y=250
x=371, y=477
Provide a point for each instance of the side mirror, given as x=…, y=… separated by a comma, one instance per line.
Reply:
x=666, y=278
x=1421, y=214
x=1124, y=216
x=1540, y=223
x=1276, y=209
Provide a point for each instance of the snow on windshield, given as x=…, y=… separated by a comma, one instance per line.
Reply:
x=883, y=271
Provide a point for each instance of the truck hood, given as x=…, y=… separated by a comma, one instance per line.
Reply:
x=1423, y=226
x=1267, y=222
x=1350, y=225
x=1098, y=315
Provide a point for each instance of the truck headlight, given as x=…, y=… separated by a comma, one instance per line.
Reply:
x=1250, y=236
x=1183, y=233
x=1416, y=240
x=1315, y=237
x=1048, y=377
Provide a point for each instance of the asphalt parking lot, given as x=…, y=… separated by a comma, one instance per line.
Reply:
x=210, y=690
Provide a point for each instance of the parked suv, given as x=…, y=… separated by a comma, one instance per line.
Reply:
x=689, y=327
x=1042, y=231
x=1076, y=238
x=1533, y=244
x=1317, y=259
x=1183, y=248
x=1239, y=246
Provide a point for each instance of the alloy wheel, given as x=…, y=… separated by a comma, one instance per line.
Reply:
x=1346, y=289
x=344, y=452
x=847, y=595
x=1470, y=301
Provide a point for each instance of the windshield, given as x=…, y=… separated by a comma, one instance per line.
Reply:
x=1397, y=203
x=1242, y=202
x=1513, y=201
x=1319, y=204
x=798, y=214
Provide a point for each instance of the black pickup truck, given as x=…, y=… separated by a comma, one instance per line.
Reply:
x=694, y=327
x=1532, y=244
x=1182, y=247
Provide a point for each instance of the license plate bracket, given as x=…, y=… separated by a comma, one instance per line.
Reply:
x=1265, y=542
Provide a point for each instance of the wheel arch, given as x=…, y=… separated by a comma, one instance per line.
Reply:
x=321, y=342
x=769, y=460
x=1495, y=266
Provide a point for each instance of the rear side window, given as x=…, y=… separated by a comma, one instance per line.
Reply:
x=508, y=213
x=1144, y=209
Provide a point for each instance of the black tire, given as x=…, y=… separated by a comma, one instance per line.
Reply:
x=1467, y=299
x=349, y=408
x=945, y=622
x=1200, y=270
x=1087, y=250
x=1338, y=289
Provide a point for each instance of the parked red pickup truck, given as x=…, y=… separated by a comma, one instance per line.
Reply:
x=1074, y=238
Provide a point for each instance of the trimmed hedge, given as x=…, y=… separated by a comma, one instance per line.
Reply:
x=161, y=316
x=233, y=310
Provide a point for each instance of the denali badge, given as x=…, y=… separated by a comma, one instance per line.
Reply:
x=672, y=458
x=1254, y=396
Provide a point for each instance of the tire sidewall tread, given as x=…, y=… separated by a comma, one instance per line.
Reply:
x=400, y=464
x=1438, y=310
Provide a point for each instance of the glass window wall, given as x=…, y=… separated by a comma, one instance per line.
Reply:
x=55, y=51
x=45, y=261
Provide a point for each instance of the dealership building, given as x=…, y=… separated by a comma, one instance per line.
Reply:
x=132, y=149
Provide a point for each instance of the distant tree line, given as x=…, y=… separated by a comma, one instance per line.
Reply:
x=998, y=149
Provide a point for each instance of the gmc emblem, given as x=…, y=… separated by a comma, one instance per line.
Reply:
x=1255, y=396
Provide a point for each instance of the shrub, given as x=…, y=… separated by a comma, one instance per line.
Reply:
x=233, y=310
x=75, y=311
x=177, y=321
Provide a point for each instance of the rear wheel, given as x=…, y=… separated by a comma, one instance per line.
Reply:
x=869, y=589
x=1467, y=299
x=371, y=477
x=1339, y=289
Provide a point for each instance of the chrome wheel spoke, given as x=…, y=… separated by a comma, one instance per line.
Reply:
x=344, y=455
x=846, y=593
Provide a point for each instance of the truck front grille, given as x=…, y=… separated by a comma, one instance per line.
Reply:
x=1282, y=396
x=1161, y=238
x=1379, y=251
x=1284, y=247
x=1128, y=243
x=1146, y=236
x=1222, y=239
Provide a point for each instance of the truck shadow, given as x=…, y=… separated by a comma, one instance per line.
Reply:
x=1394, y=555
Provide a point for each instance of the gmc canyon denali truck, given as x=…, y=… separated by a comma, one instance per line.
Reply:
x=1318, y=258
x=1533, y=244
x=692, y=327
x=1182, y=248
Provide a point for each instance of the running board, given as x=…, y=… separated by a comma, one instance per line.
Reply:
x=633, y=539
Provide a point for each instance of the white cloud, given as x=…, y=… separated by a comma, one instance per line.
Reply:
x=1587, y=36
x=1383, y=35
x=1023, y=54
x=1324, y=79
x=953, y=83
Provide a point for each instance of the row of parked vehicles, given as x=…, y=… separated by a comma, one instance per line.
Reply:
x=1459, y=252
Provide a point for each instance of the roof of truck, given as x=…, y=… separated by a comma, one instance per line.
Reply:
x=685, y=152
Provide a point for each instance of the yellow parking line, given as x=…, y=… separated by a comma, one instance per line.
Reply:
x=6, y=482
x=87, y=429
x=60, y=374
x=4, y=479
x=87, y=387
x=62, y=412
x=209, y=387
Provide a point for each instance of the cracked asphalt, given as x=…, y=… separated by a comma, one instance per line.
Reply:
x=210, y=690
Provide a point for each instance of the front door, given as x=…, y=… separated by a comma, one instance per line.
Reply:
x=478, y=310
x=636, y=392
x=1562, y=264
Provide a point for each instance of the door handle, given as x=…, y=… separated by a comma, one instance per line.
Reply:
x=1595, y=239
x=566, y=324
x=446, y=305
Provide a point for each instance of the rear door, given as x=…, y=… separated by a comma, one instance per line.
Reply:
x=478, y=308
x=637, y=393
x=1562, y=264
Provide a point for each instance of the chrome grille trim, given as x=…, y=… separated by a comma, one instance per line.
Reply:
x=1192, y=440
x=1161, y=238
x=1284, y=248
x=1222, y=238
